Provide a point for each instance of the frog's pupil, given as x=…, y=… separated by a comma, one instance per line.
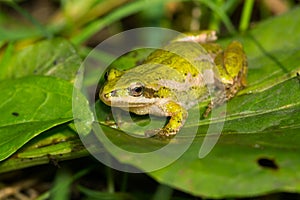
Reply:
x=137, y=91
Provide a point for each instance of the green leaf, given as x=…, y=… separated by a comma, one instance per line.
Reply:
x=55, y=57
x=263, y=127
x=54, y=145
x=239, y=165
x=258, y=150
x=50, y=143
x=29, y=106
x=276, y=107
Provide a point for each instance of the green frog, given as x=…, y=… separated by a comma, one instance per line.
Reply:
x=176, y=77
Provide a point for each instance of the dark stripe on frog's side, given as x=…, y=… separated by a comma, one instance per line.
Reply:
x=149, y=93
x=162, y=92
x=186, y=98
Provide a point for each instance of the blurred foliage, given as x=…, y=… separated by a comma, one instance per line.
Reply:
x=46, y=38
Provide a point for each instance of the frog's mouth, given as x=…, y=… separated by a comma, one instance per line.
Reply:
x=128, y=102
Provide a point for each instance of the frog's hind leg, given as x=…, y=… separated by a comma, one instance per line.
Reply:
x=232, y=67
x=218, y=100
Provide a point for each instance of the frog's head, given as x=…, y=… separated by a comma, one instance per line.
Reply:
x=124, y=89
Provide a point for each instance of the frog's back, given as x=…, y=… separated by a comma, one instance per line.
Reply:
x=183, y=56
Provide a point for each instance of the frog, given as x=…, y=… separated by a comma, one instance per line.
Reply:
x=174, y=78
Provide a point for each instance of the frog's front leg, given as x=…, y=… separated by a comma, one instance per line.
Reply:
x=177, y=114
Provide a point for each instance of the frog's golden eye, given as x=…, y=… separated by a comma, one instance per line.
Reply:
x=136, y=89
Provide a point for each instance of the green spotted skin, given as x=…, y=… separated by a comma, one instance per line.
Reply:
x=173, y=79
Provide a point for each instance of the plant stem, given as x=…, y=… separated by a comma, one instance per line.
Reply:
x=30, y=18
x=221, y=13
x=215, y=21
x=110, y=180
x=246, y=15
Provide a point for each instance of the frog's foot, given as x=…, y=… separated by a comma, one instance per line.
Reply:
x=208, y=110
x=220, y=98
x=151, y=133
x=166, y=132
x=232, y=69
x=160, y=133
x=177, y=114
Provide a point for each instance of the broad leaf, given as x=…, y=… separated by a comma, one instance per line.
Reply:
x=56, y=57
x=57, y=144
x=29, y=106
x=256, y=153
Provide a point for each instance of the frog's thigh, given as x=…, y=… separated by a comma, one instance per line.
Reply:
x=178, y=115
x=234, y=58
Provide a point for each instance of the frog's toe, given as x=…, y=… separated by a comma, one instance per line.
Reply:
x=160, y=133
x=152, y=133
x=169, y=134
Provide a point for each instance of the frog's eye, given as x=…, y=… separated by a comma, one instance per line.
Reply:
x=136, y=89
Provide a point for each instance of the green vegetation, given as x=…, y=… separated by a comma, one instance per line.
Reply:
x=42, y=45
